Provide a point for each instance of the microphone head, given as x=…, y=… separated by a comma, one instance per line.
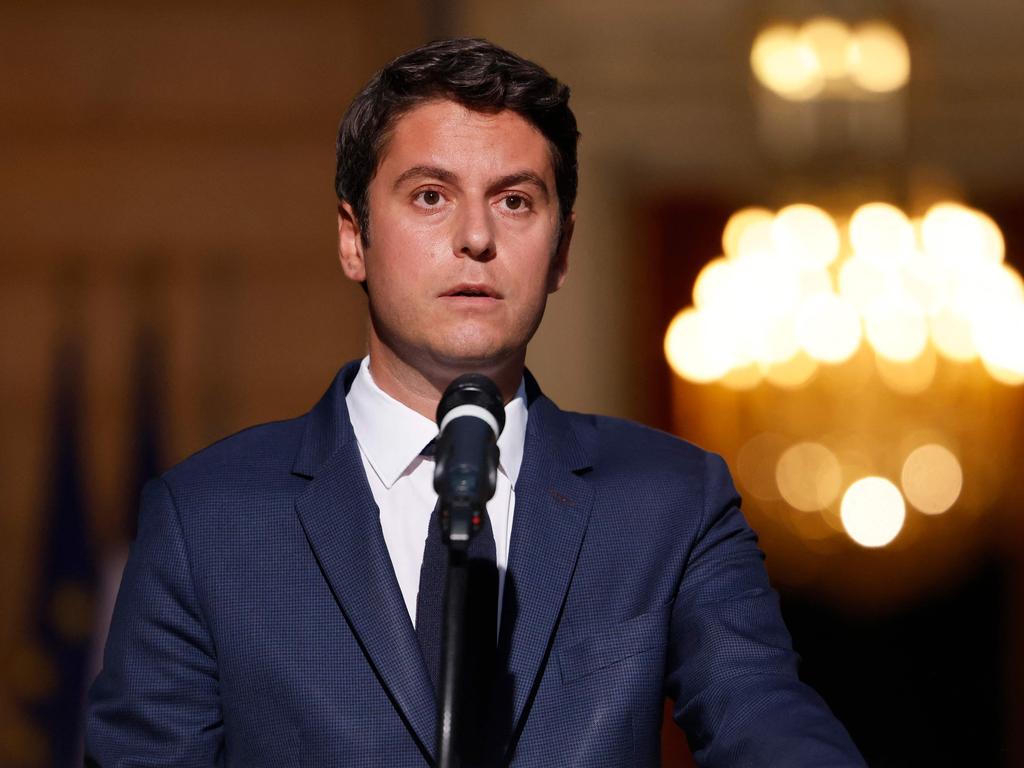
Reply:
x=473, y=389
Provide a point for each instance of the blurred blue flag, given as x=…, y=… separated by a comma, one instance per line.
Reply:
x=66, y=588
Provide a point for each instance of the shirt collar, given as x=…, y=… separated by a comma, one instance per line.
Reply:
x=392, y=435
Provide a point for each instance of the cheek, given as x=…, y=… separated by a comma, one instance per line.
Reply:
x=400, y=260
x=540, y=275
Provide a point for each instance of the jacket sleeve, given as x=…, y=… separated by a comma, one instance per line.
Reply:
x=156, y=700
x=731, y=668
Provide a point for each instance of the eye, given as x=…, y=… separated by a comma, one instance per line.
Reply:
x=517, y=203
x=429, y=197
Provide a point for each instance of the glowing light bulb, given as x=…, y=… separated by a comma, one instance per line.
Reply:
x=785, y=64
x=985, y=286
x=755, y=224
x=952, y=335
x=882, y=235
x=1014, y=283
x=694, y=350
x=755, y=240
x=998, y=333
x=927, y=281
x=765, y=289
x=808, y=476
x=829, y=39
x=775, y=341
x=896, y=328
x=813, y=282
x=878, y=59
x=873, y=511
x=992, y=244
x=960, y=237
x=932, y=478
x=713, y=284
x=807, y=234
x=828, y=328
x=861, y=283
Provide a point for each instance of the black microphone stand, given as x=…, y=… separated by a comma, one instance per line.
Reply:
x=465, y=476
x=459, y=523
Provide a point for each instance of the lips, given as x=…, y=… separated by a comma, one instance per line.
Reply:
x=472, y=291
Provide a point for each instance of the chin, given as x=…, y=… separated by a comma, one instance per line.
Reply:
x=473, y=357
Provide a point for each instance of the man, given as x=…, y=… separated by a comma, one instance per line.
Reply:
x=278, y=603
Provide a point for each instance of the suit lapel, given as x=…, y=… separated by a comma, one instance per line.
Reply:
x=342, y=524
x=552, y=509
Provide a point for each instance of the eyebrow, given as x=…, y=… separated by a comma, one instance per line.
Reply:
x=446, y=176
x=521, y=177
x=426, y=172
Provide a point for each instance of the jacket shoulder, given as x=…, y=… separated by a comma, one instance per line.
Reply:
x=629, y=446
x=252, y=454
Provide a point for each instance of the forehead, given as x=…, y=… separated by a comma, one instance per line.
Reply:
x=447, y=134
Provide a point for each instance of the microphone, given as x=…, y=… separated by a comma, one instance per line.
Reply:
x=470, y=417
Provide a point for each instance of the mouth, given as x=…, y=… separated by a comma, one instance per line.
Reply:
x=471, y=291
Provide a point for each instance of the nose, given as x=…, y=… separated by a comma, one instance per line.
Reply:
x=474, y=236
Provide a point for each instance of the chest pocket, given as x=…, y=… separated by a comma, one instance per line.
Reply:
x=607, y=648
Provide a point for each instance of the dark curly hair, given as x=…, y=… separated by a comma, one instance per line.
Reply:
x=475, y=73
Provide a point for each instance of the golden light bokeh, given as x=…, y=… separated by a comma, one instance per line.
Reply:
x=882, y=235
x=794, y=373
x=910, y=377
x=808, y=476
x=925, y=280
x=815, y=281
x=878, y=59
x=873, y=511
x=824, y=56
x=749, y=229
x=829, y=39
x=866, y=319
x=861, y=283
x=829, y=328
x=790, y=294
x=807, y=234
x=712, y=284
x=755, y=238
x=951, y=333
x=896, y=327
x=961, y=237
x=786, y=64
x=932, y=478
x=1011, y=377
x=998, y=334
x=692, y=349
x=742, y=379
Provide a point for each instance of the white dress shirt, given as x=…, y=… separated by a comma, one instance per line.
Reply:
x=391, y=436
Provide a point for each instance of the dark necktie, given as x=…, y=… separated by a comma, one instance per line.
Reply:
x=480, y=625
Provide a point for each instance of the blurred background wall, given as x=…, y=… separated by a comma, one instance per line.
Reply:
x=168, y=276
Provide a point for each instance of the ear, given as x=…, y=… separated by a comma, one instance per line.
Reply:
x=350, y=244
x=560, y=262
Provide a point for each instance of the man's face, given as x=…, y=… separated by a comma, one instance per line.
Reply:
x=464, y=239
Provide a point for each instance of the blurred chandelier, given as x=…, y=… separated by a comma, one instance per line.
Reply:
x=824, y=57
x=828, y=334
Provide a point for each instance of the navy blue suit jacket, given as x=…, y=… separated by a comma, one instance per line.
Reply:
x=259, y=621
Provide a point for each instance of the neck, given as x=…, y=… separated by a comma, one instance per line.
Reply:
x=420, y=386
